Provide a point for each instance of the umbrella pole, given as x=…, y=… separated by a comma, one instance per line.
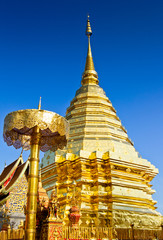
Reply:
x=30, y=229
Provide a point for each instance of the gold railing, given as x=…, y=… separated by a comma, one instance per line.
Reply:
x=138, y=234
x=12, y=234
x=105, y=233
x=86, y=232
x=91, y=232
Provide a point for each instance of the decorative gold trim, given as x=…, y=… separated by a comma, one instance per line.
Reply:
x=34, y=159
x=32, y=194
x=31, y=231
x=32, y=176
x=31, y=212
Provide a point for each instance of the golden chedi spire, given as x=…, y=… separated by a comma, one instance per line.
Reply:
x=90, y=75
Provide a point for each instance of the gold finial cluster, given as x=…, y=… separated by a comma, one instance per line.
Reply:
x=88, y=29
x=90, y=75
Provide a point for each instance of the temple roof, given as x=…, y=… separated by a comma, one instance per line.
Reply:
x=10, y=176
x=8, y=170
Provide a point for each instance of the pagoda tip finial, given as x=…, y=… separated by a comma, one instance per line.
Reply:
x=90, y=75
x=87, y=16
x=88, y=28
x=39, y=105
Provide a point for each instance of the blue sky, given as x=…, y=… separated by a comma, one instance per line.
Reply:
x=43, y=50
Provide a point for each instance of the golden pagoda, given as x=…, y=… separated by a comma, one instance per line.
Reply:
x=112, y=181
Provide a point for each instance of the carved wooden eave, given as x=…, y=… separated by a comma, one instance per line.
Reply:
x=9, y=170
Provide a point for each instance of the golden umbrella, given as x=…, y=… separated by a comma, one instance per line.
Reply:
x=36, y=130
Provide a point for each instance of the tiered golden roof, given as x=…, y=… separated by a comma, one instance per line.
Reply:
x=90, y=75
